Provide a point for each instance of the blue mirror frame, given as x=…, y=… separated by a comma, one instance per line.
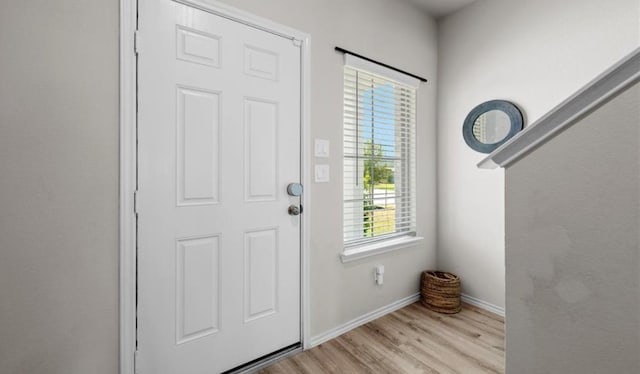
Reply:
x=510, y=109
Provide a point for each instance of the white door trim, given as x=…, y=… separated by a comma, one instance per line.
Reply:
x=128, y=185
x=128, y=161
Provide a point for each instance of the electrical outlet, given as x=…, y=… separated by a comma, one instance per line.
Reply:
x=379, y=274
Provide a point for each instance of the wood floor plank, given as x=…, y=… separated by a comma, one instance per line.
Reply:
x=344, y=361
x=452, y=351
x=448, y=328
x=390, y=351
x=365, y=353
x=425, y=349
x=478, y=356
x=475, y=344
x=399, y=332
x=409, y=340
x=436, y=363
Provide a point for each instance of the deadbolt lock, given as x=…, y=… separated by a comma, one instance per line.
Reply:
x=294, y=189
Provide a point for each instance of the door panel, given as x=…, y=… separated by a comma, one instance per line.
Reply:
x=260, y=271
x=218, y=142
x=198, y=144
x=198, y=288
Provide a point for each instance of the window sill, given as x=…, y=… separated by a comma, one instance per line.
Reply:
x=372, y=249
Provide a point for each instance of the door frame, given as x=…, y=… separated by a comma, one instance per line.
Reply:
x=128, y=161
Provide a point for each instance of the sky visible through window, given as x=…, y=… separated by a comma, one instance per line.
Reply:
x=378, y=122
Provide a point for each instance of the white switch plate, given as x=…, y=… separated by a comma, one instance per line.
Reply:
x=321, y=148
x=322, y=173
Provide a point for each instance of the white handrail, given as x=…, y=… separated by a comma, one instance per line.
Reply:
x=598, y=92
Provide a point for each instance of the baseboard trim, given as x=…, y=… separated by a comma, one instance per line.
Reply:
x=482, y=304
x=356, y=322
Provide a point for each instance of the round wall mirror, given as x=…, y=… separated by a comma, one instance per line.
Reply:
x=490, y=124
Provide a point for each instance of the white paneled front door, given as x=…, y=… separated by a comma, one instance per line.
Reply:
x=218, y=143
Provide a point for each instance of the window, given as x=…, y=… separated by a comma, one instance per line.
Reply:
x=379, y=154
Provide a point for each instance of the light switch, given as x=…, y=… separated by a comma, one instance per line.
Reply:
x=322, y=173
x=321, y=148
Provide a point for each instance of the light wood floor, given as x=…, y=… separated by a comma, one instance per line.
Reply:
x=410, y=340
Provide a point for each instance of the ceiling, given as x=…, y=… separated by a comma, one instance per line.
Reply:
x=441, y=8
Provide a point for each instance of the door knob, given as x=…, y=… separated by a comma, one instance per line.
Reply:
x=295, y=210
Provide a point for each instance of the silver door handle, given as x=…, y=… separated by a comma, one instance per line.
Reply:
x=295, y=210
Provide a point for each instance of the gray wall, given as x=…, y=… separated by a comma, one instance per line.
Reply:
x=572, y=248
x=535, y=53
x=59, y=186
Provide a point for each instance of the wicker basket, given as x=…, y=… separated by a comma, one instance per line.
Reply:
x=440, y=291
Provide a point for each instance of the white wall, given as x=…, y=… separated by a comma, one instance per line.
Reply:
x=532, y=52
x=59, y=186
x=396, y=33
x=573, y=249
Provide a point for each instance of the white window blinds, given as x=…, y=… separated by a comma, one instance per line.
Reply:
x=379, y=155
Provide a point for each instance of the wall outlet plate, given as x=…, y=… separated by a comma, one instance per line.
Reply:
x=321, y=148
x=322, y=173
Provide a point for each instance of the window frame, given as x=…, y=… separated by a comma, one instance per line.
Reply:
x=355, y=249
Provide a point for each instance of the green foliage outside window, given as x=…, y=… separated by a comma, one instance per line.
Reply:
x=377, y=175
